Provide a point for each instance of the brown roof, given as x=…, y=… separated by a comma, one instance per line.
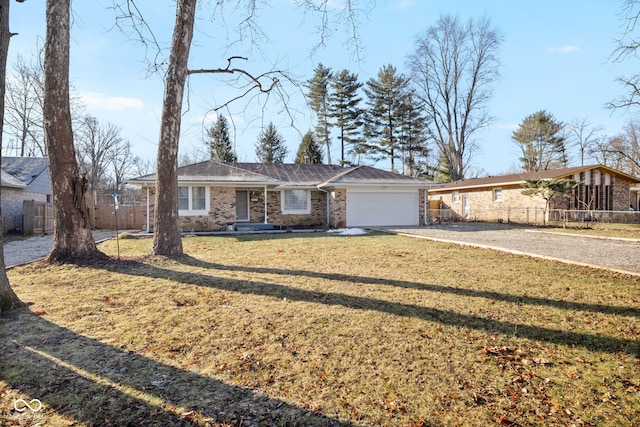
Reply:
x=518, y=178
x=282, y=174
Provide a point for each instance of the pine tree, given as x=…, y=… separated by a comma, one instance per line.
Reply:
x=219, y=142
x=270, y=147
x=541, y=142
x=385, y=95
x=343, y=107
x=413, y=137
x=309, y=151
x=319, y=101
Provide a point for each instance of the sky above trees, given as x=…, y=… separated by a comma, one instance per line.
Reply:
x=555, y=57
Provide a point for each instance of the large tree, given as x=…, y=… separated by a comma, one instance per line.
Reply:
x=270, y=147
x=72, y=239
x=541, y=141
x=219, y=142
x=385, y=97
x=309, y=151
x=453, y=67
x=584, y=136
x=318, y=96
x=97, y=147
x=627, y=47
x=413, y=138
x=23, y=109
x=8, y=298
x=344, y=108
x=167, y=238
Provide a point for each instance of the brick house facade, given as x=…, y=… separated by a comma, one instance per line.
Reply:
x=220, y=196
x=500, y=198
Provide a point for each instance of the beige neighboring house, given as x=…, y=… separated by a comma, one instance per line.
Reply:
x=23, y=178
x=216, y=196
x=601, y=191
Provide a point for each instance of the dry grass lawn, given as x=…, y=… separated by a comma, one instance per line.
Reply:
x=319, y=329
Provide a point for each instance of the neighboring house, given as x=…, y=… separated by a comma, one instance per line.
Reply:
x=500, y=197
x=23, y=178
x=219, y=196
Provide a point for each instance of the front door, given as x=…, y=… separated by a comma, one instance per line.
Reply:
x=466, y=209
x=242, y=205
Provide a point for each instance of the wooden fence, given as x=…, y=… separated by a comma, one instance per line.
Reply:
x=130, y=217
x=37, y=218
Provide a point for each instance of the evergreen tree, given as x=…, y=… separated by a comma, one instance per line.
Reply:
x=413, y=137
x=385, y=98
x=541, y=142
x=270, y=147
x=308, y=151
x=219, y=142
x=343, y=107
x=319, y=101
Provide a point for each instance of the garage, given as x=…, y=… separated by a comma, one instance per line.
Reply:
x=382, y=207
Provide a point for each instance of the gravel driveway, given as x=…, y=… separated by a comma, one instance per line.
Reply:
x=611, y=253
x=37, y=247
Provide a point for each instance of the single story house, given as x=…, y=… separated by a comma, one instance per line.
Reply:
x=600, y=188
x=216, y=196
x=23, y=178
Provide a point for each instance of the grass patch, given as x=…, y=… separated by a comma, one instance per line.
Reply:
x=600, y=229
x=322, y=330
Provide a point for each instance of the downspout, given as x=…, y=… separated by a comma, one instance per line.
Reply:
x=266, y=216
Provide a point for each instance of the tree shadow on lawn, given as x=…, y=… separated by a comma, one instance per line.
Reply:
x=94, y=383
x=535, y=333
x=496, y=296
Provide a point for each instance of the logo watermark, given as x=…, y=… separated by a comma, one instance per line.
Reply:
x=28, y=410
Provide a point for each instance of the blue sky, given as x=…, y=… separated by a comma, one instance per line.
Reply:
x=555, y=56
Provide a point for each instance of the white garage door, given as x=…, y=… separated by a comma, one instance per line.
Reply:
x=378, y=208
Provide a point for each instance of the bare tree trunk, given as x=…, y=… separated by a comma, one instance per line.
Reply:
x=8, y=298
x=72, y=231
x=167, y=239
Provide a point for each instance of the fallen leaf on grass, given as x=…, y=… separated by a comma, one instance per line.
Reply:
x=40, y=312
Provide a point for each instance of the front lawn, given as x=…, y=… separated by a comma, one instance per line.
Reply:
x=321, y=330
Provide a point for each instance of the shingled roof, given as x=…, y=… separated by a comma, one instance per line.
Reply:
x=282, y=174
x=20, y=172
x=519, y=178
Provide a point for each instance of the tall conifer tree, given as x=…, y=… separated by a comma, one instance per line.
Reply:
x=413, y=138
x=309, y=151
x=318, y=96
x=344, y=108
x=385, y=98
x=219, y=142
x=270, y=147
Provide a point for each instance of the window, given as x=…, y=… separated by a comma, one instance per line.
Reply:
x=296, y=202
x=455, y=197
x=497, y=194
x=193, y=200
x=183, y=198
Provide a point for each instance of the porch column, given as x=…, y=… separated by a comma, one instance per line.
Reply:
x=266, y=215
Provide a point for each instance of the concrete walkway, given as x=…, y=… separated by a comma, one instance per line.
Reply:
x=622, y=255
x=31, y=249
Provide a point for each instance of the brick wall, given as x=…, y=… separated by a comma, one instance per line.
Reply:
x=223, y=210
x=514, y=206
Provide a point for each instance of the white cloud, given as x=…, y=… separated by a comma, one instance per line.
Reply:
x=563, y=49
x=100, y=101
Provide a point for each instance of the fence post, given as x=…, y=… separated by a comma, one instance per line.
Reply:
x=28, y=216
